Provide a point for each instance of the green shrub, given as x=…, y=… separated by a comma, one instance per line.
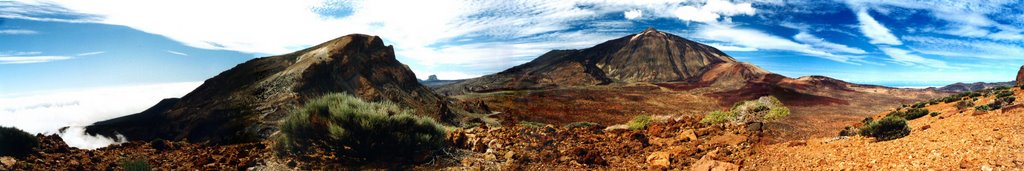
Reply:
x=135, y=163
x=964, y=105
x=16, y=143
x=982, y=108
x=915, y=113
x=717, y=117
x=350, y=126
x=867, y=120
x=888, y=128
x=639, y=122
x=777, y=113
x=934, y=114
x=919, y=105
x=531, y=124
x=1001, y=94
x=581, y=125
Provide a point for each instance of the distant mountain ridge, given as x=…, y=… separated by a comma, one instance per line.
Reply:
x=965, y=87
x=245, y=103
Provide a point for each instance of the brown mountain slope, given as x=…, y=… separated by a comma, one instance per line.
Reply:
x=965, y=138
x=649, y=56
x=244, y=103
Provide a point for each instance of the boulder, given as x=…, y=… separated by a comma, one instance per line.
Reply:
x=688, y=135
x=708, y=164
x=7, y=162
x=1020, y=76
x=658, y=160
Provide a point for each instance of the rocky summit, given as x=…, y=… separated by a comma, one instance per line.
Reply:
x=1020, y=76
x=245, y=103
x=649, y=56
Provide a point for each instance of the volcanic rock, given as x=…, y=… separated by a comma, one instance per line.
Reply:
x=649, y=56
x=1020, y=76
x=245, y=103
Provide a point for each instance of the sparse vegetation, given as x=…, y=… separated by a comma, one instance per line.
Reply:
x=934, y=114
x=763, y=109
x=910, y=114
x=888, y=128
x=964, y=105
x=581, y=125
x=135, y=163
x=639, y=122
x=348, y=125
x=531, y=124
x=16, y=143
x=717, y=117
x=982, y=108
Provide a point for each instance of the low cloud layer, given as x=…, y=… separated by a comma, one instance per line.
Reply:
x=47, y=112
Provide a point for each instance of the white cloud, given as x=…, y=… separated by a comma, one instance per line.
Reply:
x=964, y=18
x=875, y=31
x=731, y=48
x=712, y=10
x=30, y=59
x=904, y=57
x=808, y=38
x=177, y=53
x=90, y=53
x=75, y=136
x=965, y=48
x=18, y=32
x=633, y=14
x=45, y=112
x=749, y=38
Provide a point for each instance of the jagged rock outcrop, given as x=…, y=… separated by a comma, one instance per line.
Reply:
x=244, y=104
x=649, y=56
x=1020, y=76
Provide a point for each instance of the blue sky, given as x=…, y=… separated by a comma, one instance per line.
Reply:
x=47, y=45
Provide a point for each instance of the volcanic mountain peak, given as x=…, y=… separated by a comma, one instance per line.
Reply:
x=245, y=103
x=648, y=56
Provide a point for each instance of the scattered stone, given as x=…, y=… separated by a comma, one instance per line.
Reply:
x=964, y=164
x=708, y=164
x=688, y=135
x=7, y=162
x=510, y=155
x=659, y=160
x=925, y=127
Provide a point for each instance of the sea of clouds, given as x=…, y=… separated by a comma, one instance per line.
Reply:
x=47, y=112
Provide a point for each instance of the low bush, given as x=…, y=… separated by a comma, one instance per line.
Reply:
x=531, y=124
x=16, y=143
x=934, y=114
x=135, y=163
x=763, y=109
x=964, y=105
x=888, y=128
x=639, y=122
x=982, y=108
x=717, y=117
x=350, y=126
x=910, y=114
x=867, y=120
x=581, y=125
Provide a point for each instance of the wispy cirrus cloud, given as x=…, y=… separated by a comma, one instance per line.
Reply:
x=18, y=32
x=177, y=53
x=30, y=59
x=90, y=53
x=907, y=58
x=872, y=29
